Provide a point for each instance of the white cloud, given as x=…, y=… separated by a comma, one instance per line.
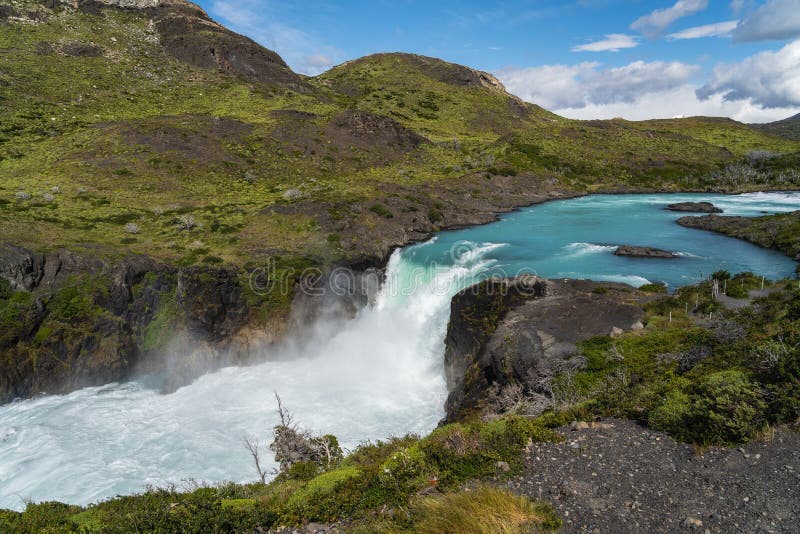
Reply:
x=655, y=23
x=612, y=43
x=681, y=101
x=256, y=19
x=776, y=20
x=736, y=6
x=585, y=84
x=719, y=29
x=318, y=61
x=662, y=90
x=769, y=79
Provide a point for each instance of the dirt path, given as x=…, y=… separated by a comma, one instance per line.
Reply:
x=619, y=477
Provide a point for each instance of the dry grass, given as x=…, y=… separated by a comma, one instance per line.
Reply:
x=483, y=510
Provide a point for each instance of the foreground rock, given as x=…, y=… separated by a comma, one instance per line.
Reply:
x=514, y=331
x=694, y=207
x=643, y=252
x=615, y=476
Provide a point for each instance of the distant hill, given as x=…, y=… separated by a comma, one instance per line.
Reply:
x=128, y=106
x=788, y=128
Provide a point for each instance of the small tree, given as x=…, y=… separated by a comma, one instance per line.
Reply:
x=294, y=446
x=254, y=449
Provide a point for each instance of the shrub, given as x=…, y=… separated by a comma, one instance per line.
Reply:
x=327, y=497
x=653, y=288
x=41, y=517
x=672, y=413
x=5, y=288
x=724, y=408
x=458, y=452
x=721, y=275
x=186, y=222
x=406, y=472
x=435, y=215
x=71, y=303
x=382, y=211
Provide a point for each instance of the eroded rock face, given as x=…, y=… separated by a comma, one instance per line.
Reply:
x=512, y=331
x=694, y=207
x=79, y=321
x=82, y=321
x=187, y=33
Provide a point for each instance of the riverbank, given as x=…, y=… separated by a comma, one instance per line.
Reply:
x=778, y=232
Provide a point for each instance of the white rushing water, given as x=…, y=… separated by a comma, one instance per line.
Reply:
x=381, y=374
x=378, y=375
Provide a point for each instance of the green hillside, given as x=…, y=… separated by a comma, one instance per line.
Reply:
x=788, y=128
x=117, y=122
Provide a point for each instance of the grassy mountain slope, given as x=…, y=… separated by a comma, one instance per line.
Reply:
x=788, y=128
x=115, y=117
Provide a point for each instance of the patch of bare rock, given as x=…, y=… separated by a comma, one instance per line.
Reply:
x=643, y=252
x=694, y=207
x=617, y=476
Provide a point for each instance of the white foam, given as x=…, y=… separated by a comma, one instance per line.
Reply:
x=380, y=375
x=582, y=249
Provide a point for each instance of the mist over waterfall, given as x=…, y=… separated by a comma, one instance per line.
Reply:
x=375, y=376
x=379, y=375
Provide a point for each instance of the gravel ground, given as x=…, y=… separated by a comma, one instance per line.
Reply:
x=616, y=476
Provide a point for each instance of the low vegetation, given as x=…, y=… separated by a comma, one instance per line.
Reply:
x=699, y=372
x=403, y=484
x=780, y=232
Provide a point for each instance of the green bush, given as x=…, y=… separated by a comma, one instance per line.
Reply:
x=435, y=215
x=327, y=497
x=382, y=211
x=653, y=288
x=5, y=289
x=724, y=408
x=71, y=302
x=41, y=517
x=721, y=275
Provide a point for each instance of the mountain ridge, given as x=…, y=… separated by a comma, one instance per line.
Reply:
x=142, y=129
x=788, y=127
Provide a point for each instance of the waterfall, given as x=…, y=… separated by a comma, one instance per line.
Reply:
x=379, y=375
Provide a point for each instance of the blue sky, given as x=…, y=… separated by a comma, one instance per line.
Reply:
x=581, y=58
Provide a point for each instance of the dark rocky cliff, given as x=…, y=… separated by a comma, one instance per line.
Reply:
x=512, y=331
x=70, y=320
x=188, y=34
x=73, y=320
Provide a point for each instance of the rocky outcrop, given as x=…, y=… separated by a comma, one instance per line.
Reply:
x=694, y=207
x=643, y=252
x=513, y=331
x=74, y=320
x=778, y=232
x=187, y=33
x=70, y=320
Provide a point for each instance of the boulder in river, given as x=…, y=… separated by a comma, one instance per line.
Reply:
x=694, y=207
x=643, y=252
